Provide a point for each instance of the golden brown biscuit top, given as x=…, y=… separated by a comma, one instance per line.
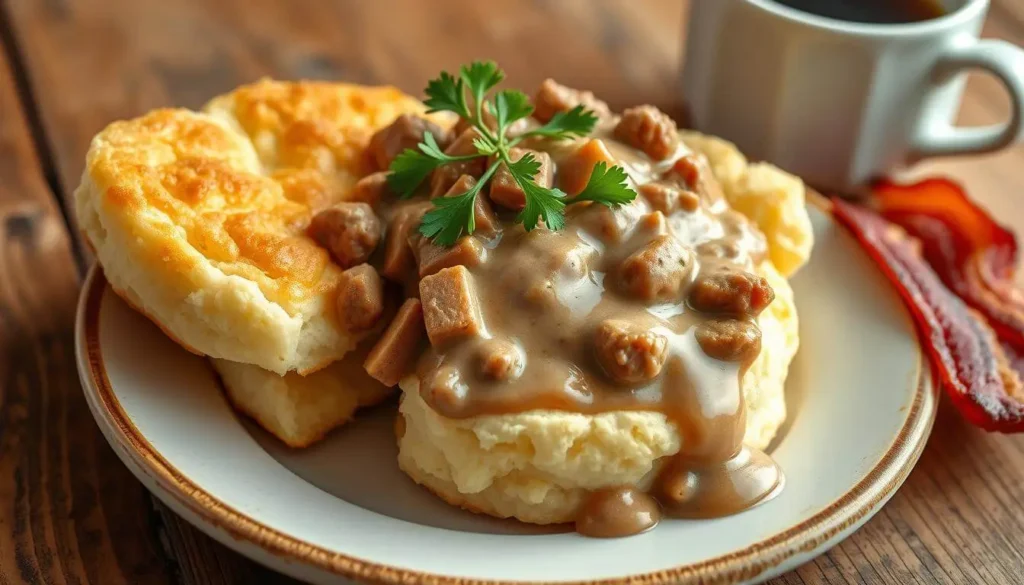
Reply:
x=239, y=182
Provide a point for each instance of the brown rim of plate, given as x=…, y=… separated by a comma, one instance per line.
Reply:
x=741, y=565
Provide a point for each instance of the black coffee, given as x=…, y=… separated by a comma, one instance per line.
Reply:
x=871, y=11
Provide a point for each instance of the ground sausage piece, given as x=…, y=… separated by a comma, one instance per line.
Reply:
x=650, y=130
x=629, y=353
x=612, y=225
x=729, y=340
x=484, y=217
x=667, y=197
x=574, y=173
x=350, y=231
x=695, y=173
x=553, y=97
x=461, y=185
x=370, y=189
x=467, y=251
x=405, y=132
x=731, y=291
x=451, y=309
x=657, y=271
x=398, y=256
x=396, y=351
x=727, y=248
x=445, y=391
x=500, y=360
x=506, y=192
x=360, y=300
x=445, y=176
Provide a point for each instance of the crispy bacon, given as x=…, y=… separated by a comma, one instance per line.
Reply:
x=973, y=255
x=974, y=366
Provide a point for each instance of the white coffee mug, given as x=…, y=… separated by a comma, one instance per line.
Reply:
x=840, y=103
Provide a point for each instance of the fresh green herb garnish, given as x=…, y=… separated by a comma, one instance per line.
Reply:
x=453, y=216
x=411, y=168
x=605, y=186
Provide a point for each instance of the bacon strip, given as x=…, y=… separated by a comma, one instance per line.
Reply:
x=971, y=364
x=973, y=255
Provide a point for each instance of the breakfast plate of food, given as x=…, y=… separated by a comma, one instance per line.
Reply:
x=487, y=338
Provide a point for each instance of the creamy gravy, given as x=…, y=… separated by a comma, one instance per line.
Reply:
x=551, y=300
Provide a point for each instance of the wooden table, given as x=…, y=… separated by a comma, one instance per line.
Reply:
x=71, y=513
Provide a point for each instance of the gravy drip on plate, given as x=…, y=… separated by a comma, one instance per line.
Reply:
x=650, y=306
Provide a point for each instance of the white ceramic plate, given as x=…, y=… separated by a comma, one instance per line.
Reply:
x=861, y=407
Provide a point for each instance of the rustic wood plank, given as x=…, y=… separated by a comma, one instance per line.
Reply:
x=70, y=512
x=142, y=55
x=957, y=520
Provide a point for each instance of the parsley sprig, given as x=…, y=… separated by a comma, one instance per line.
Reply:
x=466, y=96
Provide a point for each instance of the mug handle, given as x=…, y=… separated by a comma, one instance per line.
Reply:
x=1006, y=62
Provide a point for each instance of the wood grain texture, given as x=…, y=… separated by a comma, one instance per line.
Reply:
x=70, y=512
x=957, y=520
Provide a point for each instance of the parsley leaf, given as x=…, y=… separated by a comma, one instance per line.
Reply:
x=576, y=122
x=411, y=168
x=524, y=169
x=447, y=94
x=453, y=216
x=430, y=148
x=541, y=203
x=480, y=77
x=449, y=217
x=484, y=146
x=607, y=185
x=510, y=105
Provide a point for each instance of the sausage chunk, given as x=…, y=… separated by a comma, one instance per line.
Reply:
x=629, y=353
x=396, y=351
x=695, y=174
x=360, y=300
x=445, y=176
x=451, y=309
x=612, y=225
x=729, y=340
x=731, y=291
x=668, y=198
x=370, y=189
x=504, y=189
x=350, y=231
x=575, y=171
x=500, y=360
x=405, y=132
x=650, y=130
x=444, y=391
x=553, y=97
x=398, y=255
x=467, y=251
x=657, y=271
x=726, y=248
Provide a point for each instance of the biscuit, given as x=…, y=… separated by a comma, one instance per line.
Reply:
x=300, y=410
x=198, y=219
x=770, y=197
x=539, y=466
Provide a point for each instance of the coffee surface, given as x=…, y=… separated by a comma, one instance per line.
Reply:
x=871, y=11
